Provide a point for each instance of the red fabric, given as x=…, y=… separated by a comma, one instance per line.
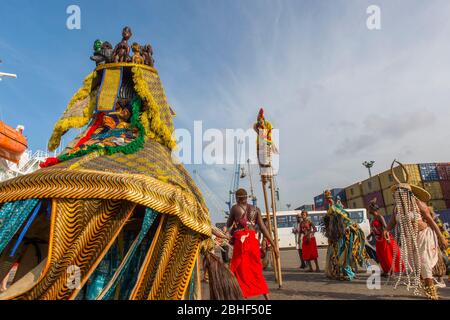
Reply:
x=50, y=161
x=385, y=254
x=91, y=130
x=246, y=264
x=385, y=250
x=309, y=249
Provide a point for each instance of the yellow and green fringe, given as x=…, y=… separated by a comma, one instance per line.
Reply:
x=64, y=124
x=154, y=127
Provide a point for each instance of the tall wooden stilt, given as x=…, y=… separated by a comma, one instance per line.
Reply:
x=269, y=224
x=275, y=231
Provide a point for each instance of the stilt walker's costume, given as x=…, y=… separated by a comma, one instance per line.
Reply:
x=112, y=217
x=346, y=242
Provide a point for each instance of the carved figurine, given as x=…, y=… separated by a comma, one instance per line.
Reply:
x=137, y=58
x=147, y=54
x=102, y=52
x=122, y=50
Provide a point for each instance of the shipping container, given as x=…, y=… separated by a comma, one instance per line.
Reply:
x=445, y=186
x=434, y=188
x=356, y=203
x=353, y=191
x=371, y=185
x=319, y=201
x=428, y=172
x=342, y=195
x=387, y=180
x=447, y=204
x=438, y=204
x=443, y=170
x=378, y=195
x=388, y=197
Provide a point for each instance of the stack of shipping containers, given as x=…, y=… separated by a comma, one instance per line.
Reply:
x=435, y=181
x=387, y=181
x=354, y=196
x=434, y=177
x=336, y=193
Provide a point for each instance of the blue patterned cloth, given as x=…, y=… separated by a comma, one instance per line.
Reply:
x=12, y=217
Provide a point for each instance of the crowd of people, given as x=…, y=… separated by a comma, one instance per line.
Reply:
x=253, y=245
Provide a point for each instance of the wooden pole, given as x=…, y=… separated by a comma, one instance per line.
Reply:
x=275, y=231
x=198, y=281
x=269, y=224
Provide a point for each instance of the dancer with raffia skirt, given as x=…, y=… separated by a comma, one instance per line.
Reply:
x=346, y=242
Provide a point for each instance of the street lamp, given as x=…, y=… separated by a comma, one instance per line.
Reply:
x=368, y=165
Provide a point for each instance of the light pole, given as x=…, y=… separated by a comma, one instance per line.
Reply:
x=368, y=165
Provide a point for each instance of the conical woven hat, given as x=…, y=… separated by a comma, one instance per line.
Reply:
x=419, y=193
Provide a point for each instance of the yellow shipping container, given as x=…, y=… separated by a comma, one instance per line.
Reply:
x=356, y=203
x=388, y=197
x=438, y=204
x=353, y=191
x=371, y=185
x=434, y=188
x=387, y=180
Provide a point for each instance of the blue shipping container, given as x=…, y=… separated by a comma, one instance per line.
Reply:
x=429, y=172
x=319, y=200
x=342, y=195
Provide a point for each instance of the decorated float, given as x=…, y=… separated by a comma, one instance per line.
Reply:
x=112, y=216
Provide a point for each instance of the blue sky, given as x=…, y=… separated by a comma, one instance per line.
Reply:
x=339, y=93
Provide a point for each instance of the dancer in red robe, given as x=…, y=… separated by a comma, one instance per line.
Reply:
x=386, y=247
x=246, y=261
x=309, y=245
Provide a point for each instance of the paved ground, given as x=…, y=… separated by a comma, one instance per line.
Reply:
x=301, y=285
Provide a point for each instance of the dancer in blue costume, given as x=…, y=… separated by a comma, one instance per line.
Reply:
x=346, y=242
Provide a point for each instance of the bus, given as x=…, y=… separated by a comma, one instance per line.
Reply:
x=287, y=219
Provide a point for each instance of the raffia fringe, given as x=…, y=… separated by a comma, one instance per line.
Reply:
x=64, y=124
